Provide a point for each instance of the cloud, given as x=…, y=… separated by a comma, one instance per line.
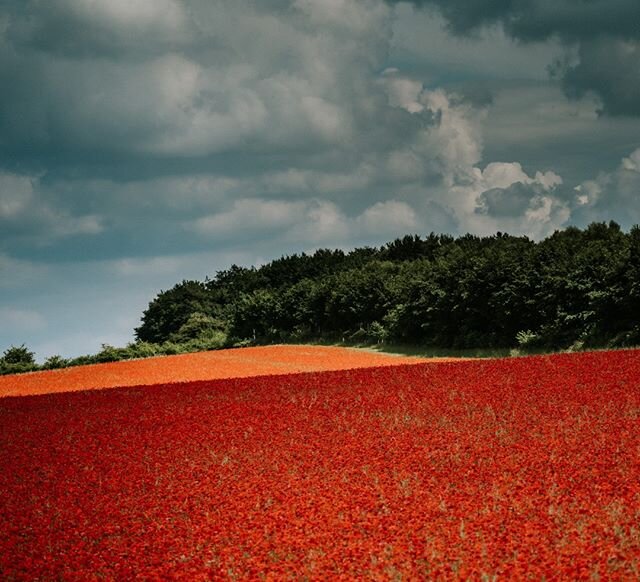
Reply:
x=312, y=222
x=307, y=181
x=632, y=163
x=391, y=217
x=353, y=18
x=252, y=216
x=251, y=121
x=16, y=273
x=540, y=19
x=602, y=35
x=188, y=78
x=15, y=194
x=24, y=214
x=21, y=320
x=323, y=223
x=421, y=43
x=499, y=197
x=514, y=200
x=448, y=141
x=611, y=195
x=502, y=196
x=610, y=68
x=153, y=266
x=89, y=27
x=506, y=198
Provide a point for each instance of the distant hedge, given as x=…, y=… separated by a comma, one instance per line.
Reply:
x=110, y=353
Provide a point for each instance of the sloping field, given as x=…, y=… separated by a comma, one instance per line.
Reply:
x=524, y=468
x=214, y=365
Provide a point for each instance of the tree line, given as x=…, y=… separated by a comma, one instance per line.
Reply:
x=578, y=288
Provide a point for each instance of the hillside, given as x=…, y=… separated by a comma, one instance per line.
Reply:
x=237, y=363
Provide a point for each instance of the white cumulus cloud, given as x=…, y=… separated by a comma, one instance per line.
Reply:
x=611, y=195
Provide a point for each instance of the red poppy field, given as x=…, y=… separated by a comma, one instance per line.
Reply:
x=213, y=365
x=518, y=468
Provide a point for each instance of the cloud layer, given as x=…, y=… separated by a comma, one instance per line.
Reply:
x=603, y=35
x=144, y=141
x=279, y=116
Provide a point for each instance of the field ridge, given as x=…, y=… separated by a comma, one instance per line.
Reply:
x=199, y=366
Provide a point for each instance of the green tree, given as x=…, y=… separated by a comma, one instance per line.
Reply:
x=18, y=355
x=171, y=309
x=358, y=297
x=200, y=326
x=631, y=303
x=17, y=359
x=255, y=316
x=54, y=362
x=576, y=287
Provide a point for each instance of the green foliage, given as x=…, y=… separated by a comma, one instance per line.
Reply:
x=110, y=353
x=18, y=355
x=200, y=326
x=577, y=287
x=172, y=349
x=143, y=350
x=377, y=332
x=17, y=359
x=255, y=315
x=170, y=310
x=526, y=338
x=55, y=362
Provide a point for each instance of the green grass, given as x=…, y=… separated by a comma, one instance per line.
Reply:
x=413, y=350
x=429, y=352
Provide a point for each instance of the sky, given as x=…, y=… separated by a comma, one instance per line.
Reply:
x=143, y=142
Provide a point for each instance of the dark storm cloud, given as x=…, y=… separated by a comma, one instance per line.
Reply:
x=540, y=19
x=120, y=82
x=606, y=33
x=511, y=201
x=68, y=29
x=121, y=123
x=611, y=67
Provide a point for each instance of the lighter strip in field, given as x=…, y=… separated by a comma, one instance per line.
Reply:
x=231, y=363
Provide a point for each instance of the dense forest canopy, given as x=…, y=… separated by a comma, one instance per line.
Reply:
x=576, y=288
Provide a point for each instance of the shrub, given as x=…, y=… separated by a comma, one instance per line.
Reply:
x=18, y=355
x=244, y=343
x=109, y=353
x=526, y=339
x=82, y=361
x=213, y=341
x=198, y=326
x=171, y=348
x=143, y=349
x=17, y=359
x=54, y=362
x=377, y=332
